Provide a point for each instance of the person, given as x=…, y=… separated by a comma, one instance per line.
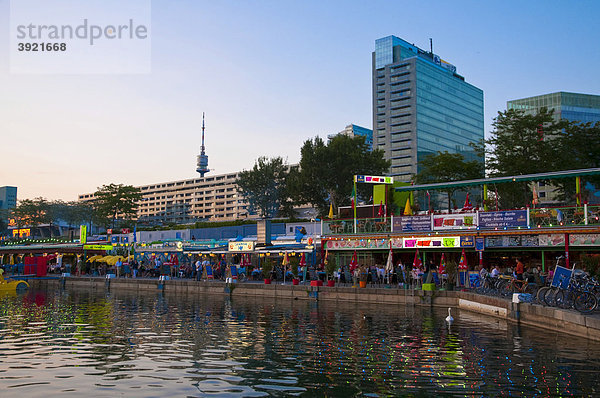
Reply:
x=519, y=270
x=198, y=270
x=496, y=271
x=135, y=266
x=118, y=265
x=482, y=272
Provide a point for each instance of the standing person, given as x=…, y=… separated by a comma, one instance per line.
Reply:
x=519, y=270
x=135, y=266
x=198, y=270
x=118, y=265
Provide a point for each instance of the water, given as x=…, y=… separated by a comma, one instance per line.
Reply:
x=76, y=343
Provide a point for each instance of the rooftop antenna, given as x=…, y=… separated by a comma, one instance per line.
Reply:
x=431, y=44
x=202, y=159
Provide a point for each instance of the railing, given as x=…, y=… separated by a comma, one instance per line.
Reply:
x=545, y=217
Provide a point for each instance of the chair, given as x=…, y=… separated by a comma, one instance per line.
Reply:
x=209, y=272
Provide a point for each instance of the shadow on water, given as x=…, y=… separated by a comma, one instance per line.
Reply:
x=156, y=344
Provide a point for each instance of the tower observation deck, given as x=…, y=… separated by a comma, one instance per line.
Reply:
x=202, y=159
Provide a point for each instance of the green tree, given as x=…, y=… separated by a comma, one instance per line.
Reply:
x=327, y=170
x=116, y=200
x=264, y=186
x=447, y=167
x=522, y=144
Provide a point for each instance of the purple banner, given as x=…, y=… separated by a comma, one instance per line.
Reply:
x=501, y=219
x=412, y=224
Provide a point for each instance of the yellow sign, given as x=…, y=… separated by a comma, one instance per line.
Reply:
x=97, y=247
x=22, y=233
x=83, y=233
x=241, y=246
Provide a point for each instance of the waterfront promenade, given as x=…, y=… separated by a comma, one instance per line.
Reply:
x=563, y=321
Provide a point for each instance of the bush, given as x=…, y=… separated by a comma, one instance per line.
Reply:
x=267, y=267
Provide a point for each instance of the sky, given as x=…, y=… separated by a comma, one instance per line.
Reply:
x=268, y=75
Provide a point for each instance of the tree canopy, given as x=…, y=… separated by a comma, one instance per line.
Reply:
x=116, y=200
x=327, y=170
x=264, y=186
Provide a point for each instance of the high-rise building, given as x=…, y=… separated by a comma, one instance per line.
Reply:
x=8, y=197
x=574, y=107
x=566, y=106
x=352, y=130
x=421, y=106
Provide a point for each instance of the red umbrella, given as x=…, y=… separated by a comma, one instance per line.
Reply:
x=462, y=265
x=302, y=260
x=467, y=205
x=417, y=261
x=380, y=212
x=353, y=262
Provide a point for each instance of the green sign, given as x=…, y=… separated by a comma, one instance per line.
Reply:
x=97, y=247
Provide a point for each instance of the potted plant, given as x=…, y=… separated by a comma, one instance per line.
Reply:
x=330, y=267
x=267, y=267
x=294, y=268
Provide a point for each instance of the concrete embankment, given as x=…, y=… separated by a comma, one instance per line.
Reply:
x=564, y=321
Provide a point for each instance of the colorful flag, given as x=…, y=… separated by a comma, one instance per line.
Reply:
x=380, y=212
x=353, y=262
x=535, y=200
x=442, y=267
x=467, y=205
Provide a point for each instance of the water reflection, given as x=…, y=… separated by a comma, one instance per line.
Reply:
x=102, y=344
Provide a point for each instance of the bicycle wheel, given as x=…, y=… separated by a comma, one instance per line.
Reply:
x=585, y=302
x=549, y=297
x=564, y=299
x=541, y=293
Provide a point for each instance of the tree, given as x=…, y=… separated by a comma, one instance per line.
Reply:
x=327, y=171
x=264, y=186
x=447, y=167
x=522, y=144
x=116, y=200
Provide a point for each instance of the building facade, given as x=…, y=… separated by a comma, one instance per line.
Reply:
x=353, y=130
x=8, y=197
x=421, y=106
x=583, y=108
x=213, y=198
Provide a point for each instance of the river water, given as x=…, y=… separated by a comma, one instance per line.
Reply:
x=87, y=343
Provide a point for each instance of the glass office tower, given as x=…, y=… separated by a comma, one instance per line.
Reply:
x=421, y=106
x=570, y=106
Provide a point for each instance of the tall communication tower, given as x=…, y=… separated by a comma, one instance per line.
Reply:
x=202, y=159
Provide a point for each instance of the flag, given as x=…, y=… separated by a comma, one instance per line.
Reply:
x=462, y=264
x=352, y=199
x=353, y=262
x=442, y=267
x=467, y=205
x=302, y=260
x=330, y=211
x=417, y=264
x=407, y=208
x=389, y=266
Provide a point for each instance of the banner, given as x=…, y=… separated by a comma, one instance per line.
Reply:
x=467, y=241
x=412, y=224
x=241, y=246
x=83, y=233
x=360, y=244
x=375, y=179
x=97, y=247
x=551, y=240
x=501, y=219
x=503, y=241
x=432, y=242
x=454, y=221
x=584, y=240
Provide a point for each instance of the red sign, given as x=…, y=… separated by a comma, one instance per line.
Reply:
x=125, y=230
x=109, y=231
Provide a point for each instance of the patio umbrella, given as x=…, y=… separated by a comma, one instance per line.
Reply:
x=467, y=205
x=330, y=215
x=389, y=266
x=285, y=262
x=462, y=265
x=353, y=262
x=442, y=267
x=408, y=209
x=417, y=263
x=380, y=212
x=302, y=260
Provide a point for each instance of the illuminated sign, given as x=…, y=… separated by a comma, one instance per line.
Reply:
x=22, y=233
x=97, y=247
x=83, y=233
x=241, y=246
x=433, y=242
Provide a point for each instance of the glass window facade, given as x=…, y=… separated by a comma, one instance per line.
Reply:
x=575, y=107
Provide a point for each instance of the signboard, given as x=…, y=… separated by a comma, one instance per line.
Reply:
x=363, y=244
x=551, y=240
x=375, y=179
x=454, y=221
x=241, y=246
x=501, y=219
x=479, y=244
x=432, y=242
x=21, y=232
x=412, y=224
x=83, y=233
x=125, y=230
x=584, y=240
x=467, y=241
x=97, y=247
x=109, y=231
x=503, y=241
x=529, y=240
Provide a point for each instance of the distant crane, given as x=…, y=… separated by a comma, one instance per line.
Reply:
x=202, y=159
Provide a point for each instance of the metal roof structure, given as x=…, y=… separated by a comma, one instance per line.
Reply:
x=501, y=180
